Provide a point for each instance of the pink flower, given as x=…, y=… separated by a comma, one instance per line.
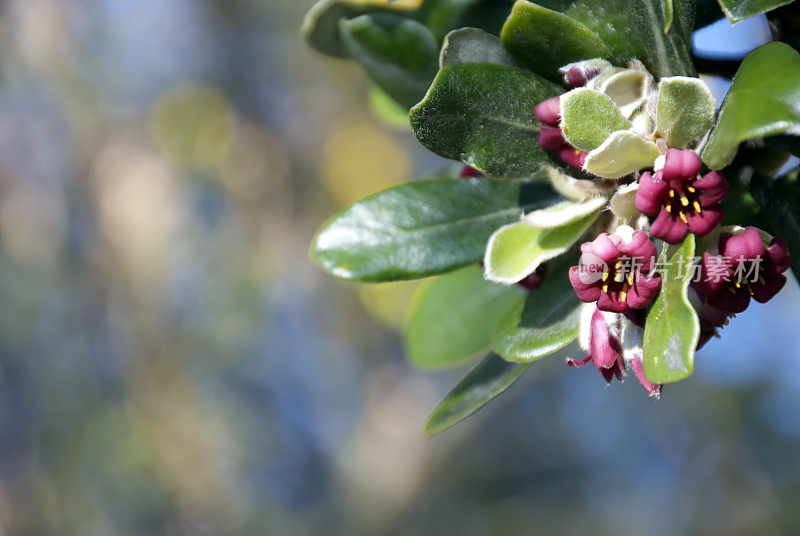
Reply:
x=745, y=268
x=550, y=135
x=579, y=76
x=605, y=350
x=680, y=198
x=617, y=274
x=637, y=364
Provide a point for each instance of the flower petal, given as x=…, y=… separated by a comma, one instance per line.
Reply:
x=711, y=189
x=732, y=302
x=651, y=194
x=669, y=228
x=762, y=293
x=778, y=257
x=637, y=364
x=551, y=138
x=644, y=291
x=587, y=292
x=642, y=249
x=706, y=221
x=549, y=111
x=611, y=303
x=715, y=273
x=681, y=164
x=745, y=246
x=603, y=247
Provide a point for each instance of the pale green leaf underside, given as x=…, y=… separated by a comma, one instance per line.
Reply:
x=672, y=329
x=622, y=153
x=516, y=250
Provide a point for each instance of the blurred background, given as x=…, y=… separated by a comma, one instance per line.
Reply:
x=172, y=363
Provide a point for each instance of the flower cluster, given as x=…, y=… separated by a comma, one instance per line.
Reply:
x=617, y=272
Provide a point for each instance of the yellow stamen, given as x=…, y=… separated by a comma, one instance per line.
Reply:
x=761, y=280
x=737, y=284
x=749, y=289
x=623, y=296
x=683, y=217
x=630, y=278
x=672, y=193
x=605, y=276
x=731, y=289
x=684, y=201
x=605, y=287
x=691, y=189
x=619, y=277
x=697, y=208
x=669, y=208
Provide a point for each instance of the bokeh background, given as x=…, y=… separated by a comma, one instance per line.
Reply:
x=172, y=363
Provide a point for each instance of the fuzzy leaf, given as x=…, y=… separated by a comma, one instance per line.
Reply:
x=321, y=23
x=482, y=115
x=685, y=110
x=471, y=45
x=622, y=153
x=486, y=381
x=516, y=250
x=672, y=328
x=764, y=100
x=563, y=213
x=635, y=29
x=399, y=54
x=589, y=117
x=546, y=321
x=544, y=40
x=422, y=228
x=452, y=317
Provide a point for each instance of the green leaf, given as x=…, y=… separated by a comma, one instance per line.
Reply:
x=635, y=29
x=486, y=381
x=668, y=15
x=672, y=329
x=321, y=23
x=471, y=45
x=482, y=115
x=589, y=117
x=422, y=228
x=545, y=40
x=516, y=250
x=685, y=110
x=622, y=153
x=546, y=321
x=399, y=54
x=764, y=100
x=779, y=200
x=737, y=10
x=452, y=317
